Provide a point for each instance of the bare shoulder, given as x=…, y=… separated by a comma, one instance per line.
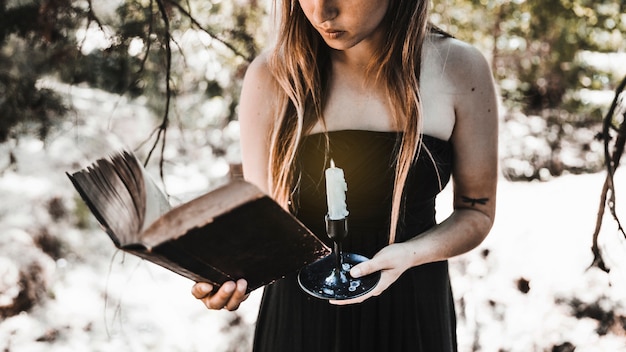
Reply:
x=463, y=65
x=466, y=75
x=256, y=113
x=257, y=93
x=258, y=75
x=456, y=84
x=259, y=67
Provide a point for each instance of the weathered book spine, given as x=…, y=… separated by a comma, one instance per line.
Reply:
x=177, y=259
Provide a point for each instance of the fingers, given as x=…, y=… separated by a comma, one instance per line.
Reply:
x=361, y=269
x=386, y=279
x=201, y=289
x=345, y=302
x=392, y=257
x=239, y=295
x=391, y=264
x=367, y=267
x=229, y=296
x=221, y=298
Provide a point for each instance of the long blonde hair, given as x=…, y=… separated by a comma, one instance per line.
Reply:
x=300, y=64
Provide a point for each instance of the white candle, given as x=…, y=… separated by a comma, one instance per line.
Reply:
x=336, y=188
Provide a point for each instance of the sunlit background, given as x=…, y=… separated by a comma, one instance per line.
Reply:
x=79, y=79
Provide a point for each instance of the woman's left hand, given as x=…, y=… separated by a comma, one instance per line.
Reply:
x=391, y=261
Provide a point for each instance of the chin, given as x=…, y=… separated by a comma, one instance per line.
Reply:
x=338, y=45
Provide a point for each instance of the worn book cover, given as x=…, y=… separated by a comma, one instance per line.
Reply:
x=232, y=232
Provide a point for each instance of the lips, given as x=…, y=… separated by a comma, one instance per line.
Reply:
x=332, y=33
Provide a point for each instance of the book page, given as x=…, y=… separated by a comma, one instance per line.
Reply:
x=107, y=195
x=156, y=203
x=149, y=200
x=130, y=172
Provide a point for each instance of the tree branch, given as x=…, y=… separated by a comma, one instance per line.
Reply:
x=159, y=133
x=162, y=129
x=195, y=22
x=612, y=159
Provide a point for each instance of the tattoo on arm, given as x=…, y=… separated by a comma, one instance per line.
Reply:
x=474, y=201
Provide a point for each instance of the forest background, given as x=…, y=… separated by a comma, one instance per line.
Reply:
x=80, y=78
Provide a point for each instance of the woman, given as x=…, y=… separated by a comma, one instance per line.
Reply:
x=401, y=107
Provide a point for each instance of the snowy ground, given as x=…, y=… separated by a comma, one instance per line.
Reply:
x=101, y=300
x=542, y=235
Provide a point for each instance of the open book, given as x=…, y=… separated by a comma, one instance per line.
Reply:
x=232, y=232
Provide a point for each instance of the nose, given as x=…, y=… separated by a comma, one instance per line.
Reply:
x=324, y=10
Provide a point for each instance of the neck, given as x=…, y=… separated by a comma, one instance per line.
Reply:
x=352, y=59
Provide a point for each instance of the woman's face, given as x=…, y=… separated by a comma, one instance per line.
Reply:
x=344, y=24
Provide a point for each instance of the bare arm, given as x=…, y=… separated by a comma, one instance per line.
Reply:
x=255, y=116
x=475, y=168
x=475, y=174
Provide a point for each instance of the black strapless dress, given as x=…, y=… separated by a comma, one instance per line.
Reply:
x=414, y=314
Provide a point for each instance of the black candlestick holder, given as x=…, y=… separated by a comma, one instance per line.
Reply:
x=329, y=277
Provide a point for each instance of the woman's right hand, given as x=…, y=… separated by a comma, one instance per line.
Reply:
x=229, y=296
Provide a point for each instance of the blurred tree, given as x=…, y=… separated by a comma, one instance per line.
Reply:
x=164, y=49
x=535, y=44
x=31, y=38
x=137, y=48
x=538, y=50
